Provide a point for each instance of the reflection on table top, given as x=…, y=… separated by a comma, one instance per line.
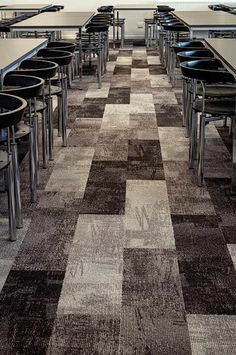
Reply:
x=14, y=50
x=25, y=7
x=208, y=19
x=224, y=48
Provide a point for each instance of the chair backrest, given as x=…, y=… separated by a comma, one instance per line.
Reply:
x=189, y=45
x=206, y=70
x=106, y=8
x=194, y=55
x=96, y=28
x=62, y=58
x=164, y=8
x=176, y=27
x=13, y=108
x=24, y=86
x=43, y=69
x=63, y=46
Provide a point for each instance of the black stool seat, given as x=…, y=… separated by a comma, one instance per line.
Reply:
x=62, y=45
x=176, y=28
x=105, y=8
x=214, y=107
x=14, y=107
x=44, y=69
x=62, y=58
x=194, y=55
x=189, y=45
x=92, y=28
x=26, y=86
x=164, y=8
x=206, y=70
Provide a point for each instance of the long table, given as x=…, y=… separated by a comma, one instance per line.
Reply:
x=200, y=23
x=15, y=50
x=57, y=21
x=34, y=8
x=224, y=49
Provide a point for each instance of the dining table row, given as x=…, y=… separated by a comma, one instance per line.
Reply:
x=38, y=65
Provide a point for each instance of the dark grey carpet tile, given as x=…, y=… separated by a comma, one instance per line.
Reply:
x=207, y=272
x=185, y=197
x=225, y=206
x=139, y=63
x=156, y=69
x=148, y=151
x=47, y=242
x=28, y=304
x=104, y=173
x=229, y=233
x=85, y=334
x=145, y=332
x=224, y=134
x=144, y=160
x=91, y=109
x=153, y=316
x=83, y=137
x=200, y=221
x=168, y=115
x=138, y=42
x=151, y=278
x=219, y=190
x=108, y=199
x=125, y=52
x=121, y=81
x=139, y=171
x=95, y=101
x=122, y=70
x=119, y=96
x=105, y=190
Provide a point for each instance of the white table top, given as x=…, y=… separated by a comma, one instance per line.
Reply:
x=55, y=21
x=14, y=50
x=229, y=4
x=25, y=7
x=224, y=48
x=144, y=6
x=206, y=19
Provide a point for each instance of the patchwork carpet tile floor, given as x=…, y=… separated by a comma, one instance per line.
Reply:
x=123, y=253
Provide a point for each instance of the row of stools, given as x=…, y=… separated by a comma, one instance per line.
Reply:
x=5, y=24
x=27, y=95
x=209, y=90
x=29, y=92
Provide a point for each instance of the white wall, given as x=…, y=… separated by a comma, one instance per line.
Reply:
x=132, y=18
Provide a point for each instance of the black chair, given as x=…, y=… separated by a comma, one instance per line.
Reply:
x=211, y=108
x=45, y=70
x=179, y=47
x=72, y=69
x=63, y=59
x=185, y=56
x=54, y=8
x=11, y=112
x=95, y=42
x=28, y=88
